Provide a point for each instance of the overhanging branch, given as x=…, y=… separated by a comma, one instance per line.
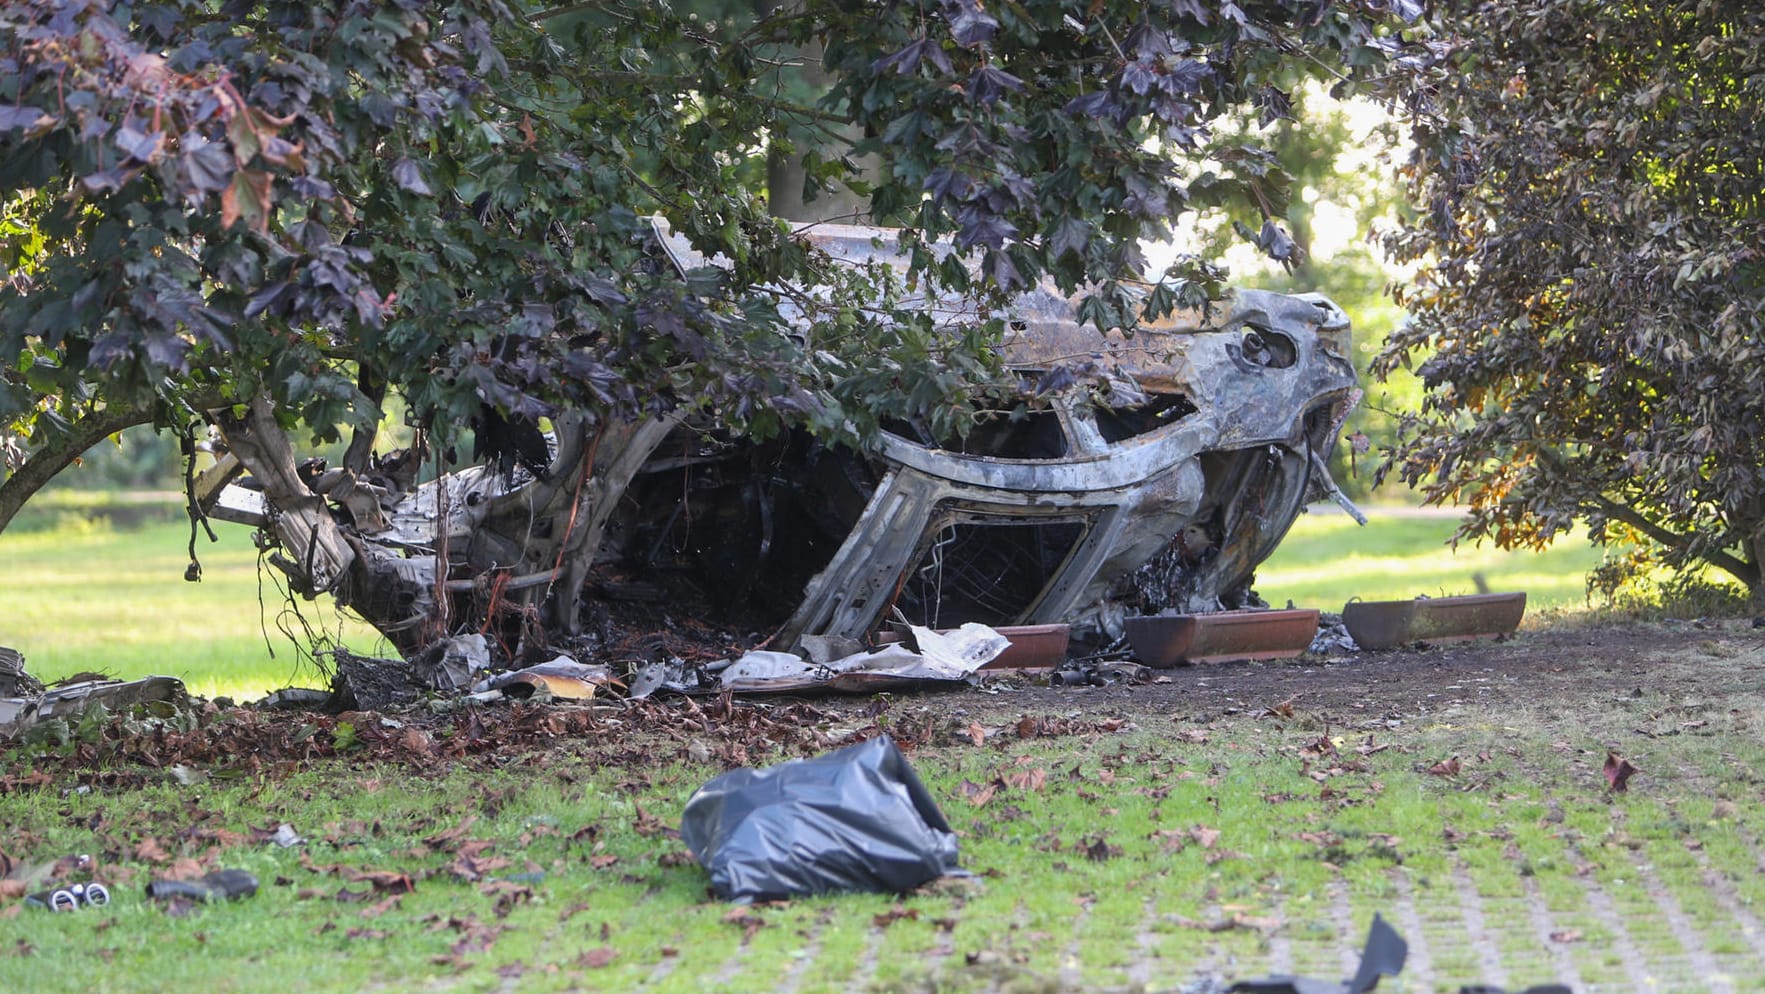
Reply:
x=1747, y=573
x=60, y=450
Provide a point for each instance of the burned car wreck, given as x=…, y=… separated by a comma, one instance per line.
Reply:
x=1161, y=493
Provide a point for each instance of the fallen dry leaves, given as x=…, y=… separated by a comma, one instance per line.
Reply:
x=745, y=919
x=895, y=914
x=1618, y=772
x=597, y=958
x=1235, y=921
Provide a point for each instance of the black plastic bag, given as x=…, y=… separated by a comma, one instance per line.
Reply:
x=856, y=819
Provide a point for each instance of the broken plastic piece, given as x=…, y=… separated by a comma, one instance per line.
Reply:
x=18, y=714
x=296, y=699
x=561, y=677
x=216, y=886
x=962, y=651
x=948, y=656
x=756, y=669
x=72, y=897
x=1383, y=956
x=463, y=657
x=856, y=819
x=14, y=681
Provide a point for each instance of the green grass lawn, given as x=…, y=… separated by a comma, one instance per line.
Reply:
x=81, y=597
x=76, y=598
x=1121, y=858
x=1327, y=558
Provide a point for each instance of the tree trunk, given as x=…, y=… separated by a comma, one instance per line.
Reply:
x=785, y=171
x=301, y=519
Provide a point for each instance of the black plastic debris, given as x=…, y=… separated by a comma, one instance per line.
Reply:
x=216, y=886
x=1383, y=956
x=1098, y=673
x=14, y=681
x=856, y=819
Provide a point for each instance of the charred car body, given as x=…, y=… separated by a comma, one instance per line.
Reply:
x=1162, y=493
x=1166, y=496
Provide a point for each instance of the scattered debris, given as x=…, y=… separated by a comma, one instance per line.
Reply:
x=73, y=897
x=1332, y=638
x=71, y=700
x=463, y=657
x=179, y=896
x=934, y=656
x=1031, y=646
x=1383, y=956
x=561, y=677
x=1091, y=672
x=855, y=819
x=369, y=683
x=297, y=699
x=14, y=681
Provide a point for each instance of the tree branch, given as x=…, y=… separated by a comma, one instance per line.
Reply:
x=59, y=450
x=1747, y=573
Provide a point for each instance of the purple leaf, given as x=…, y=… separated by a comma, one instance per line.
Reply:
x=409, y=176
x=207, y=165
x=907, y=59
x=313, y=188
x=987, y=83
x=1137, y=77
x=1274, y=104
x=19, y=117
x=1003, y=271
x=267, y=299
x=138, y=146
x=971, y=26
x=1073, y=236
x=1190, y=8
x=945, y=182
x=109, y=180
x=987, y=230
x=1095, y=104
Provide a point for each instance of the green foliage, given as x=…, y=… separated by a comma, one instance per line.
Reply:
x=1632, y=582
x=1588, y=319
x=333, y=204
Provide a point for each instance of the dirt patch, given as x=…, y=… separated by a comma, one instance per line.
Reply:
x=1610, y=685
x=1560, y=670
